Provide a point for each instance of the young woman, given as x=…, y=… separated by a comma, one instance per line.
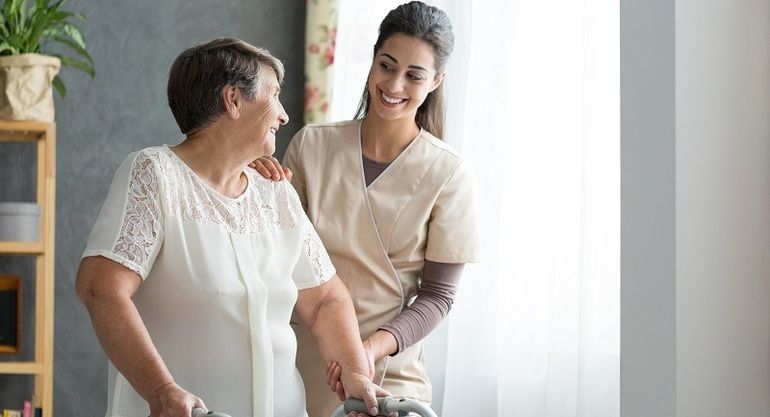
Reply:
x=392, y=203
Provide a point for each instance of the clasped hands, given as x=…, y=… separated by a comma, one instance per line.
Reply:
x=376, y=347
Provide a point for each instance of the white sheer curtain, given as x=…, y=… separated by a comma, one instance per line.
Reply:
x=533, y=105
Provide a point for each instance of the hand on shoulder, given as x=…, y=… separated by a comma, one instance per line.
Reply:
x=270, y=168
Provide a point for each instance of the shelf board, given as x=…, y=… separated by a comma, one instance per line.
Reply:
x=21, y=248
x=25, y=368
x=12, y=130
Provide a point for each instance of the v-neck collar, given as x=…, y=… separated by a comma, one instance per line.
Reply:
x=389, y=167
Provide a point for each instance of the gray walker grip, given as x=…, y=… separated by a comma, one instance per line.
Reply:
x=386, y=406
x=198, y=412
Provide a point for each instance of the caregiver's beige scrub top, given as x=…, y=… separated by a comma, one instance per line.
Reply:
x=378, y=237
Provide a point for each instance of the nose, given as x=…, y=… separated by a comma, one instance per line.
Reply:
x=283, y=118
x=395, y=84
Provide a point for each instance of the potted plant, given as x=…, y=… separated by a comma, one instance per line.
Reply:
x=26, y=72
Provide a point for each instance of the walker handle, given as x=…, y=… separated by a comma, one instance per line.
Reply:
x=198, y=412
x=387, y=405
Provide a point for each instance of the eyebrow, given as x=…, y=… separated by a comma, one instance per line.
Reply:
x=410, y=66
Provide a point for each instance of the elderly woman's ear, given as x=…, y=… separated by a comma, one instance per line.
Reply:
x=232, y=100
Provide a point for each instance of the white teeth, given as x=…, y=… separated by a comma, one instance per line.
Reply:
x=391, y=100
x=273, y=130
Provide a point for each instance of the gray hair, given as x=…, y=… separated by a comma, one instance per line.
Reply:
x=199, y=74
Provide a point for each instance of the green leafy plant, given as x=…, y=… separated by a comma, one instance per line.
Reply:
x=25, y=29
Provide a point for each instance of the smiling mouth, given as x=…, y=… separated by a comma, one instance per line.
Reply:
x=273, y=130
x=390, y=99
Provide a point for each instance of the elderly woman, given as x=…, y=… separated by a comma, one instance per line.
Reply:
x=196, y=262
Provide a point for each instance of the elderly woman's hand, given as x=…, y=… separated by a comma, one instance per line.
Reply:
x=270, y=168
x=334, y=371
x=170, y=400
x=361, y=386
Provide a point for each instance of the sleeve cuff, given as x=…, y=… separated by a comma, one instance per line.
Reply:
x=399, y=338
x=322, y=280
x=117, y=259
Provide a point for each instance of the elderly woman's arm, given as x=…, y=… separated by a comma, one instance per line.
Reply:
x=328, y=311
x=105, y=288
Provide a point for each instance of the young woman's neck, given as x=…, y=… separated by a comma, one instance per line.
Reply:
x=383, y=140
x=208, y=154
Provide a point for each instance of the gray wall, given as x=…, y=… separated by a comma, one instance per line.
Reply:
x=723, y=207
x=104, y=119
x=647, y=207
x=695, y=232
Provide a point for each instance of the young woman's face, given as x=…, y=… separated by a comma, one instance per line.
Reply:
x=403, y=73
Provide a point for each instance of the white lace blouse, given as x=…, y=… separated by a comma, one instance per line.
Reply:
x=220, y=281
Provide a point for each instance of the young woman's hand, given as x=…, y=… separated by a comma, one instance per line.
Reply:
x=372, y=355
x=270, y=168
x=333, y=373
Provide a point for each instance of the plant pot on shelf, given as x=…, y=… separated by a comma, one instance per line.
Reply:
x=19, y=222
x=26, y=86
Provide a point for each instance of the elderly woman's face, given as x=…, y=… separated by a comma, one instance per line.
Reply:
x=264, y=115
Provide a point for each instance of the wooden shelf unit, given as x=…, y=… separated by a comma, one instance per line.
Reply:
x=21, y=368
x=21, y=248
x=44, y=134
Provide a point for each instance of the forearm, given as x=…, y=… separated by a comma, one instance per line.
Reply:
x=127, y=343
x=433, y=302
x=382, y=343
x=413, y=324
x=335, y=327
x=328, y=311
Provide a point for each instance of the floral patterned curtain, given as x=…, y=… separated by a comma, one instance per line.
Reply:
x=320, y=42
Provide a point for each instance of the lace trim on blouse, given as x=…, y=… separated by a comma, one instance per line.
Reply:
x=141, y=221
x=265, y=206
x=322, y=264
